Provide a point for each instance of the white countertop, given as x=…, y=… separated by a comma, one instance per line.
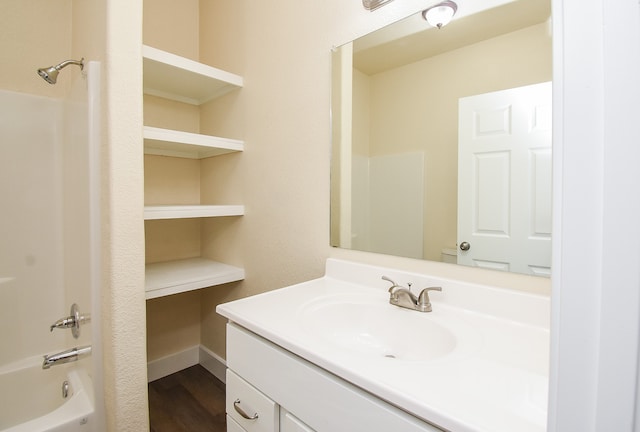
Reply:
x=495, y=379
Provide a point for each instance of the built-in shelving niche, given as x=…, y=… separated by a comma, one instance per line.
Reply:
x=177, y=78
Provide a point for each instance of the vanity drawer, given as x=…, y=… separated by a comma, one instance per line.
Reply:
x=232, y=426
x=243, y=400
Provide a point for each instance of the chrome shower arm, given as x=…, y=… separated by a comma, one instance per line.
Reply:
x=70, y=62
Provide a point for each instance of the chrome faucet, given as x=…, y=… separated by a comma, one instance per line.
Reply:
x=403, y=297
x=67, y=356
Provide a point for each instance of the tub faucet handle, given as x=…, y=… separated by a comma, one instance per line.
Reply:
x=64, y=323
x=73, y=321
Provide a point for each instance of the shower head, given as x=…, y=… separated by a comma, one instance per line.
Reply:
x=50, y=74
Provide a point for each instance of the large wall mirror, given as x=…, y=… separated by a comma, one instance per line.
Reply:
x=442, y=139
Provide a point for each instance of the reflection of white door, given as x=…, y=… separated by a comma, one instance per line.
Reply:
x=504, y=180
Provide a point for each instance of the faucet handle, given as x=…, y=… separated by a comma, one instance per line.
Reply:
x=64, y=323
x=394, y=286
x=424, y=304
x=388, y=279
x=72, y=321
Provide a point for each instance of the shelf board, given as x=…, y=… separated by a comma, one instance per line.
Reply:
x=178, y=78
x=173, y=277
x=166, y=142
x=191, y=211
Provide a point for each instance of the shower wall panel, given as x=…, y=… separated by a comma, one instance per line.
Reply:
x=31, y=228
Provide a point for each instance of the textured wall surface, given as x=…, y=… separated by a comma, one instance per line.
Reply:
x=125, y=372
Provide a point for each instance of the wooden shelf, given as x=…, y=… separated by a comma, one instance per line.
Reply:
x=191, y=211
x=166, y=142
x=173, y=277
x=178, y=78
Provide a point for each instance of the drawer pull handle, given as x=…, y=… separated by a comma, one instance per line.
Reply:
x=236, y=405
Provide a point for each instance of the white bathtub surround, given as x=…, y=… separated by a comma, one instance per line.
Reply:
x=478, y=362
x=50, y=256
x=35, y=402
x=31, y=254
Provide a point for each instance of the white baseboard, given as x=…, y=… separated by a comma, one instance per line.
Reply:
x=172, y=363
x=192, y=356
x=212, y=362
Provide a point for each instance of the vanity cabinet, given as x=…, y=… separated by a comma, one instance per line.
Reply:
x=307, y=397
x=176, y=78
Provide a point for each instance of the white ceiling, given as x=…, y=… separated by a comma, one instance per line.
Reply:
x=412, y=39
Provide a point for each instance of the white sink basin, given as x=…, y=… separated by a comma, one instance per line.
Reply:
x=374, y=328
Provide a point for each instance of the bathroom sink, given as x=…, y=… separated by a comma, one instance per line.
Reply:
x=477, y=362
x=376, y=329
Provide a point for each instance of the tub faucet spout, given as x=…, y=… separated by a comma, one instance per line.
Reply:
x=67, y=356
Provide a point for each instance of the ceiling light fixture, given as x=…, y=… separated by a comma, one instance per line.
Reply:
x=440, y=15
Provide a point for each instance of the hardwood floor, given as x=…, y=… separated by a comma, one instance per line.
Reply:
x=191, y=400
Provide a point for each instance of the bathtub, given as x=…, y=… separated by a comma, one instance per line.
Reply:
x=35, y=402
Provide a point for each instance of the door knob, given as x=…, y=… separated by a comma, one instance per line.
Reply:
x=465, y=246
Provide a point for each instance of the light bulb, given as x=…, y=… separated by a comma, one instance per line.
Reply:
x=440, y=15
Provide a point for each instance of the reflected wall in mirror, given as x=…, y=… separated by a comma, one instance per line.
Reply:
x=442, y=140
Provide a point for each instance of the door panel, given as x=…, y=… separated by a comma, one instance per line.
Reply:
x=504, y=172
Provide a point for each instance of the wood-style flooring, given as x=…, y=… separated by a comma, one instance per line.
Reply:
x=191, y=400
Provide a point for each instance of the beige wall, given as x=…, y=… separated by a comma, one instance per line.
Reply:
x=25, y=48
x=171, y=26
x=260, y=177
x=173, y=324
x=282, y=49
x=282, y=177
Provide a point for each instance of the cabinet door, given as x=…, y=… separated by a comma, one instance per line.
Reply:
x=289, y=423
